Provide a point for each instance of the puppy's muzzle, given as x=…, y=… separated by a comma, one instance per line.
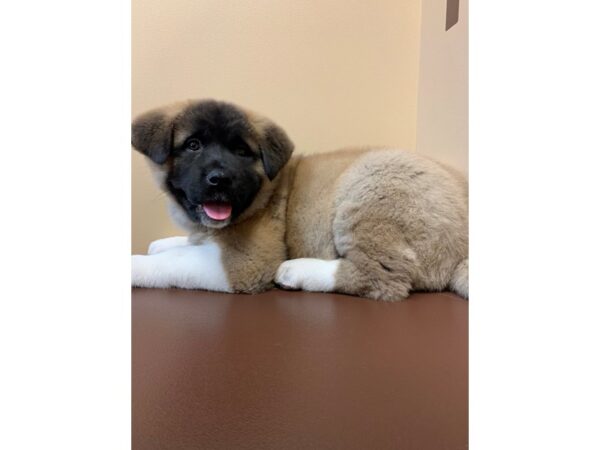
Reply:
x=218, y=178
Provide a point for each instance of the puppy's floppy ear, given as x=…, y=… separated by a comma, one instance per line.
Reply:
x=276, y=149
x=152, y=135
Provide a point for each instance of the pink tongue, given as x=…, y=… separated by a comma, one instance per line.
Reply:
x=217, y=210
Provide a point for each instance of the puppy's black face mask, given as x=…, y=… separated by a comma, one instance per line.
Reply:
x=213, y=175
x=215, y=155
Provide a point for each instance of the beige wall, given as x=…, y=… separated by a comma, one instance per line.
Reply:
x=442, y=125
x=331, y=72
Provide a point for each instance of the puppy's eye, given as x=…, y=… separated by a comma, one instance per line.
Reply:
x=193, y=145
x=242, y=151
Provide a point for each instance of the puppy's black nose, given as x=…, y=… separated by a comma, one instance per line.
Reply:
x=217, y=178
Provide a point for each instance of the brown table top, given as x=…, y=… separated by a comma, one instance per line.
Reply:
x=297, y=370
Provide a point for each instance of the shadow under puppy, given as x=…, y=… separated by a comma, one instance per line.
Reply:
x=375, y=223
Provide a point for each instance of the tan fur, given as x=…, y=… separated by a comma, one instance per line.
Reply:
x=396, y=221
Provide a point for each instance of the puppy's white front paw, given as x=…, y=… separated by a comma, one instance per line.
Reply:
x=160, y=245
x=143, y=272
x=310, y=274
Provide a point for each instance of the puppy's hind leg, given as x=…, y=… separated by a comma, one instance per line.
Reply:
x=369, y=266
x=373, y=276
x=376, y=262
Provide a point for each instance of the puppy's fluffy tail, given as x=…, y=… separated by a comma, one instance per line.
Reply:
x=459, y=282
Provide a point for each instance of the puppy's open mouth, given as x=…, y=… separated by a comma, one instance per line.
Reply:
x=217, y=210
